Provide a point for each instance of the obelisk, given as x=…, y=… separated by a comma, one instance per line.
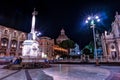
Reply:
x=31, y=46
x=33, y=24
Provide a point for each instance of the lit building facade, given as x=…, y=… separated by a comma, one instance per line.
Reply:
x=75, y=51
x=59, y=51
x=111, y=41
x=61, y=37
x=11, y=41
x=46, y=47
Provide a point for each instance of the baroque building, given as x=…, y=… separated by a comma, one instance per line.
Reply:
x=61, y=37
x=11, y=41
x=46, y=47
x=111, y=41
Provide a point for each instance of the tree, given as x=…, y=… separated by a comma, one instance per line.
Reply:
x=90, y=46
x=89, y=50
x=67, y=44
x=86, y=51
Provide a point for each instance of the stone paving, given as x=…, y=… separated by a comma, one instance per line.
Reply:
x=18, y=76
x=6, y=73
x=63, y=72
x=25, y=74
x=115, y=72
x=77, y=72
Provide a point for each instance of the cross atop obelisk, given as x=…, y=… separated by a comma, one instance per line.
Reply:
x=33, y=24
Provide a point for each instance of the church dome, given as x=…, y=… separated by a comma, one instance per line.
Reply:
x=62, y=36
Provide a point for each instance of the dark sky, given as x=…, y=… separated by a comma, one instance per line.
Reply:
x=53, y=15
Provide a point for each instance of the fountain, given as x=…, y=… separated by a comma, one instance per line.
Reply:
x=31, y=56
x=31, y=46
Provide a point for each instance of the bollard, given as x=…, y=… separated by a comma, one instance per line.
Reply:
x=97, y=62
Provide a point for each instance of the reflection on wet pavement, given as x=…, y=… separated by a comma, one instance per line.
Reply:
x=77, y=72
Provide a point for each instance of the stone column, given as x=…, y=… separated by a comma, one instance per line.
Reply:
x=9, y=43
x=18, y=44
x=104, y=45
x=118, y=49
x=33, y=24
x=0, y=38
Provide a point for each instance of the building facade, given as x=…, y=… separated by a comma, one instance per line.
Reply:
x=59, y=51
x=111, y=41
x=75, y=51
x=11, y=41
x=46, y=47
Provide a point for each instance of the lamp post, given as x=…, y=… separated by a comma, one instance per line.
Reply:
x=92, y=20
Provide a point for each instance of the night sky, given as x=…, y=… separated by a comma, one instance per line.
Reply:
x=53, y=15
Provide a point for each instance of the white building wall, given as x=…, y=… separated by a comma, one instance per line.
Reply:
x=112, y=39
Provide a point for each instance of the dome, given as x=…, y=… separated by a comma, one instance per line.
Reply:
x=62, y=36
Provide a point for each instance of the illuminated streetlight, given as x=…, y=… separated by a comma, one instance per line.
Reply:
x=92, y=20
x=89, y=18
x=38, y=33
x=96, y=17
x=98, y=20
x=86, y=21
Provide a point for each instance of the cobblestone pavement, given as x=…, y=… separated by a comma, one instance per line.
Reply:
x=64, y=72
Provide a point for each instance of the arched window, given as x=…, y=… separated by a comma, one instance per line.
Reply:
x=5, y=32
x=15, y=34
x=22, y=36
x=4, y=42
x=13, y=43
x=112, y=47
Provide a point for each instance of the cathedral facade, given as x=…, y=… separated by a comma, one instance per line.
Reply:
x=111, y=41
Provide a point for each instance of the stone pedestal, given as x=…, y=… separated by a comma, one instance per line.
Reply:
x=31, y=48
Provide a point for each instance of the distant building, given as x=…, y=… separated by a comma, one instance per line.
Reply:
x=59, y=51
x=46, y=47
x=11, y=41
x=61, y=37
x=75, y=51
x=111, y=41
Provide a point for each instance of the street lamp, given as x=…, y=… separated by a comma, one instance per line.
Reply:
x=38, y=33
x=92, y=20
